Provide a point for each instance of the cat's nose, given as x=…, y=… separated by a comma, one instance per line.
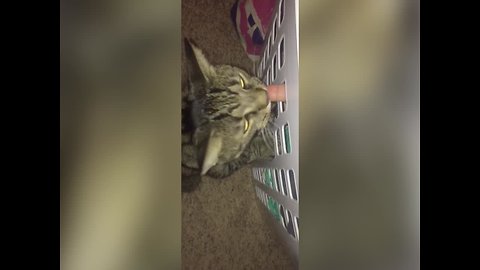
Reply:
x=264, y=88
x=260, y=96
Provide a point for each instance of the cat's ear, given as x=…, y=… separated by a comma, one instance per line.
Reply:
x=214, y=145
x=200, y=70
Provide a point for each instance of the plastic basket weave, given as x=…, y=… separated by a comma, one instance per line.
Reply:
x=277, y=182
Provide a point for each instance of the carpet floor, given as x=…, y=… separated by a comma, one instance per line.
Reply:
x=223, y=226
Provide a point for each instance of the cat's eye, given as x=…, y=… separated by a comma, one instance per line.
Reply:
x=242, y=82
x=246, y=126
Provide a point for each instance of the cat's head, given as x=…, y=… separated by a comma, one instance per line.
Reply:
x=233, y=105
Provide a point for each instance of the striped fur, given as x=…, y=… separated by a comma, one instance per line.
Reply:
x=225, y=117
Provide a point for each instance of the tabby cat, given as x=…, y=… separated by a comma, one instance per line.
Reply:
x=225, y=120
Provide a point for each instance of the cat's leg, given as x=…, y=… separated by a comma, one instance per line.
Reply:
x=227, y=169
x=260, y=149
x=190, y=179
x=189, y=156
x=190, y=170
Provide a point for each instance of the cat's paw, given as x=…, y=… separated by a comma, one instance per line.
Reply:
x=189, y=156
x=190, y=183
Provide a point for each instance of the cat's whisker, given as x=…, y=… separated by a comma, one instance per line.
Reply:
x=271, y=124
x=223, y=110
x=265, y=138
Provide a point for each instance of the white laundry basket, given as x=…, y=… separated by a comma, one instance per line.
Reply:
x=277, y=182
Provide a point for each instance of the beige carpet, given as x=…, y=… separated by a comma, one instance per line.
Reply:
x=222, y=225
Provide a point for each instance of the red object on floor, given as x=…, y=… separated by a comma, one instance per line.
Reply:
x=252, y=19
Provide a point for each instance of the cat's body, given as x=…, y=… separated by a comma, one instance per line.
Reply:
x=224, y=119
